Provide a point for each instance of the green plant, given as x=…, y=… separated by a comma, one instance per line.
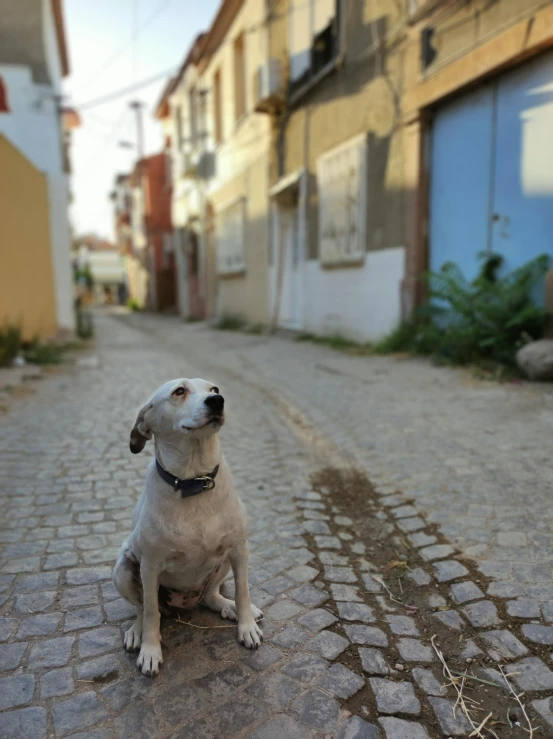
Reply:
x=256, y=329
x=10, y=344
x=133, y=304
x=36, y=352
x=337, y=342
x=482, y=322
x=229, y=322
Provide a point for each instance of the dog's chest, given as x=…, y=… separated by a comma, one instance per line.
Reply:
x=193, y=552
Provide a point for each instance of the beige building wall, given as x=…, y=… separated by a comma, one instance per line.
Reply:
x=241, y=164
x=27, y=296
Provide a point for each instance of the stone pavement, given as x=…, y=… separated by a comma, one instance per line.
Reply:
x=451, y=464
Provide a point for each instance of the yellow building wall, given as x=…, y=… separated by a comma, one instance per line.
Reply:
x=241, y=171
x=26, y=275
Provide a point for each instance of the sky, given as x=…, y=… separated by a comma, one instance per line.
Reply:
x=112, y=45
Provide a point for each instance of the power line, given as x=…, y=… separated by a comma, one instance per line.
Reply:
x=125, y=90
x=136, y=33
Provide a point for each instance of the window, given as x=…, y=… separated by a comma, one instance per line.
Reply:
x=217, y=108
x=239, y=78
x=342, y=176
x=313, y=39
x=193, y=113
x=229, y=233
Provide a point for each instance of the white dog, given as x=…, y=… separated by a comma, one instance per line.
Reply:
x=189, y=526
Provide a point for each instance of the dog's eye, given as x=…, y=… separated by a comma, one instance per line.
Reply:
x=214, y=390
x=179, y=391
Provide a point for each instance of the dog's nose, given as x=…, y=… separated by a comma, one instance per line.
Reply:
x=215, y=403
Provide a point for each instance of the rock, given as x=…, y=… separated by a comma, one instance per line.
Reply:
x=536, y=360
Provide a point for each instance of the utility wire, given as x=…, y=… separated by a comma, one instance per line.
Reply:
x=125, y=90
x=137, y=32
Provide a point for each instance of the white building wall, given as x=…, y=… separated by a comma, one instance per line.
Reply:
x=33, y=126
x=53, y=58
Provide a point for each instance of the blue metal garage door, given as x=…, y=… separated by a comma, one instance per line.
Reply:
x=491, y=171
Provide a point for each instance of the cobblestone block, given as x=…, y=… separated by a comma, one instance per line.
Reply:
x=317, y=619
x=373, y=661
x=356, y=728
x=451, y=619
x=84, y=618
x=56, y=683
x=328, y=542
x=88, y=575
x=544, y=708
x=42, y=582
x=436, y=551
x=403, y=625
x=419, y=576
x=80, y=712
x=24, y=723
x=16, y=690
x=304, y=573
x=41, y=625
x=532, y=674
x=279, y=727
x=34, y=602
x=426, y=681
x=11, y=655
x=463, y=592
x=356, y=612
x=99, y=641
x=411, y=524
x=412, y=650
x=331, y=558
x=283, y=610
x=481, y=614
x=451, y=724
x=396, y=728
x=327, y=644
x=117, y=610
x=366, y=635
x=51, y=653
x=449, y=570
x=278, y=691
x=340, y=574
x=291, y=637
x=7, y=627
x=506, y=589
x=538, y=634
x=341, y=681
x=308, y=595
x=314, y=708
x=305, y=667
x=345, y=592
x=371, y=585
x=99, y=669
x=392, y=697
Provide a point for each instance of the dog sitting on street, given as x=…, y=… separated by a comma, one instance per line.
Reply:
x=189, y=526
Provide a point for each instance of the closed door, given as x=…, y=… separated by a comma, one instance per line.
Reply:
x=290, y=300
x=491, y=169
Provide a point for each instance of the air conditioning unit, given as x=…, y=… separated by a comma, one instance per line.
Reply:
x=268, y=87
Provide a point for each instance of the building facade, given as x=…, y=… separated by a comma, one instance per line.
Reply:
x=351, y=145
x=33, y=62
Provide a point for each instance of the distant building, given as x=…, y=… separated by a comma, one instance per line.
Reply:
x=103, y=261
x=34, y=169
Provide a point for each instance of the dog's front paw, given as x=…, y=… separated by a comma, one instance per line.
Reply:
x=257, y=613
x=149, y=659
x=133, y=638
x=249, y=634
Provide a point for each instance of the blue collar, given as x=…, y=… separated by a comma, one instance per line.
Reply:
x=188, y=488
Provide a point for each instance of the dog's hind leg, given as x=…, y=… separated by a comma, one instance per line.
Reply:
x=126, y=578
x=217, y=602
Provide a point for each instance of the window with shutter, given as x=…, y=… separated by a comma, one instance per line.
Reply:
x=342, y=178
x=229, y=232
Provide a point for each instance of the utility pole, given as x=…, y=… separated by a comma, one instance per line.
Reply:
x=138, y=107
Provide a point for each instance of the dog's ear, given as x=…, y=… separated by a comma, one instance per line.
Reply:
x=141, y=432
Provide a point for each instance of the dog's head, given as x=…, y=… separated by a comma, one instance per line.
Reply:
x=189, y=407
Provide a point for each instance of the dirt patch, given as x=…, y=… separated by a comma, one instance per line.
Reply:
x=390, y=557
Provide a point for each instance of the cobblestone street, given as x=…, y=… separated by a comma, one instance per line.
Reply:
x=449, y=534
